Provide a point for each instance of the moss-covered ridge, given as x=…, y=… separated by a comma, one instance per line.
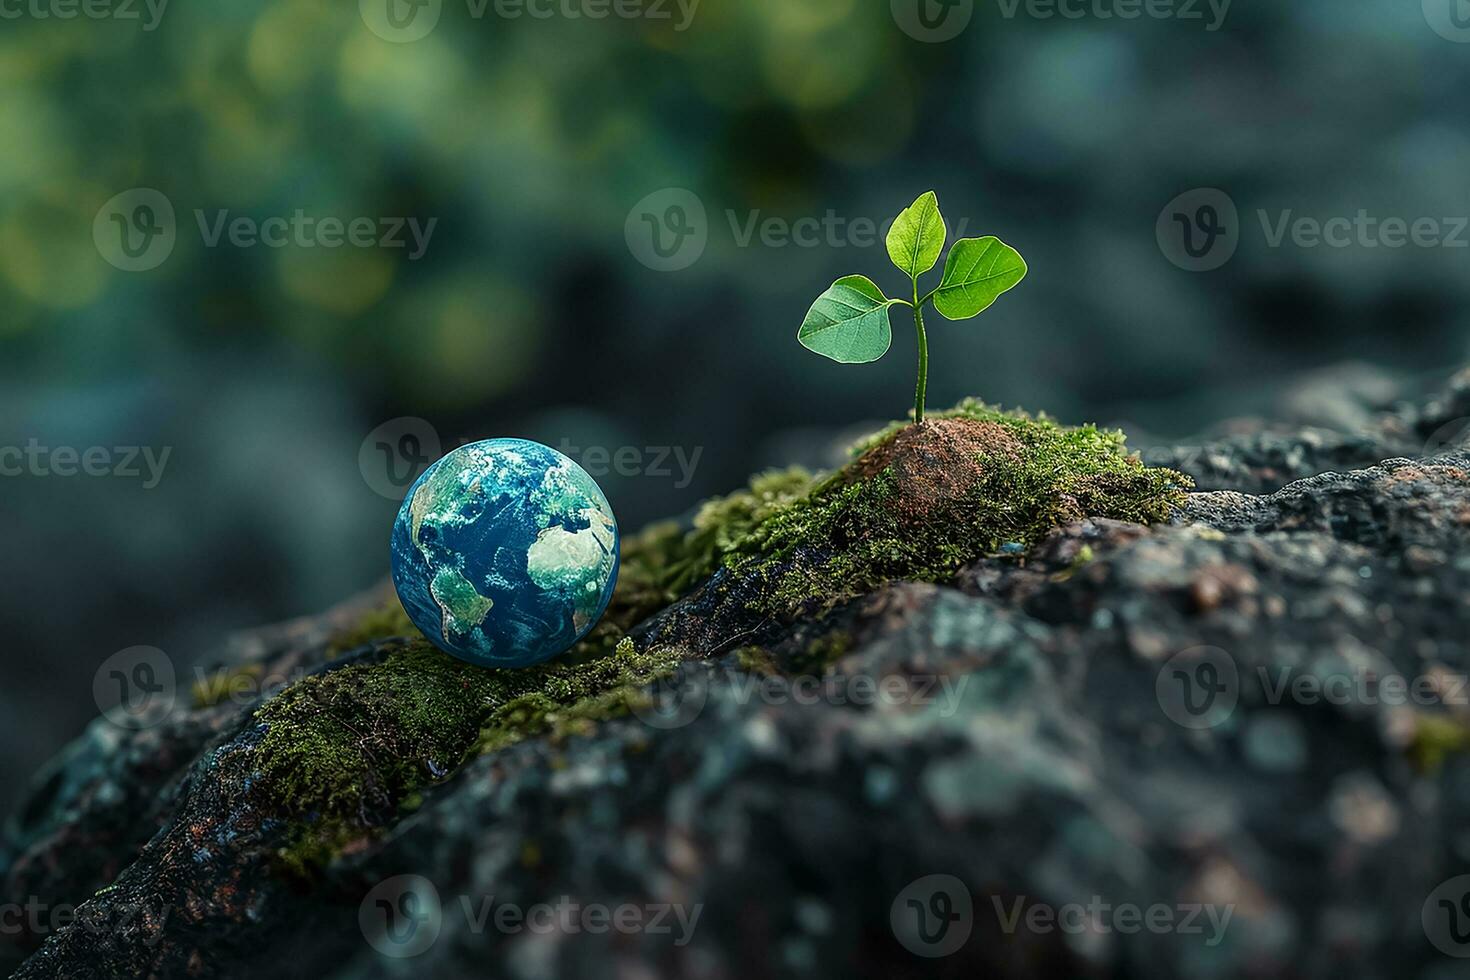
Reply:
x=346, y=750
x=917, y=502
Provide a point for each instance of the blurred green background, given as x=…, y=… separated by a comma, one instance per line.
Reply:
x=536, y=145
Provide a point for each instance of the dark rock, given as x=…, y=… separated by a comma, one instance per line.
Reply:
x=1228, y=746
x=1259, y=457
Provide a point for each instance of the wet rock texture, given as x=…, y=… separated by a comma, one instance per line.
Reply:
x=1232, y=746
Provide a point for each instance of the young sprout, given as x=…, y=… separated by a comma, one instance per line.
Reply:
x=849, y=322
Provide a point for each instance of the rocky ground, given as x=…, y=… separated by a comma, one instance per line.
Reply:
x=1230, y=744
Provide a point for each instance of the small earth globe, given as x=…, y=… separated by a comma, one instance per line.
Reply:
x=505, y=553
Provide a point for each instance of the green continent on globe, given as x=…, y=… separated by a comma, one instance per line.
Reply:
x=505, y=552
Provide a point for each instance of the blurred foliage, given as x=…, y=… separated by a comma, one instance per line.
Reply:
x=529, y=139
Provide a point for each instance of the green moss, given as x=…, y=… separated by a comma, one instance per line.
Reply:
x=668, y=562
x=569, y=695
x=820, y=654
x=756, y=660
x=1436, y=738
x=226, y=683
x=919, y=502
x=1084, y=558
x=663, y=561
x=916, y=503
x=345, y=751
x=380, y=623
x=658, y=564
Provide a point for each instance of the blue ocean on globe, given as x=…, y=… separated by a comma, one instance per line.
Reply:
x=505, y=553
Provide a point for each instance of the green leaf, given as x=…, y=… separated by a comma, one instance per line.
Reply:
x=849, y=322
x=977, y=272
x=917, y=237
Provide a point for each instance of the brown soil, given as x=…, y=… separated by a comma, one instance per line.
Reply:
x=936, y=462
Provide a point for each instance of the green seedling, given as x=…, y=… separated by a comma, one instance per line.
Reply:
x=849, y=322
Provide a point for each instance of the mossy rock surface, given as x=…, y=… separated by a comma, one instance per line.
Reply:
x=343, y=751
x=1036, y=577
x=917, y=502
x=920, y=501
